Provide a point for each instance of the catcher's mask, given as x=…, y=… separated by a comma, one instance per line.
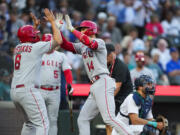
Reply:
x=143, y=81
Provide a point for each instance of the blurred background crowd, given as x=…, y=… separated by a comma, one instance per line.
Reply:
x=149, y=26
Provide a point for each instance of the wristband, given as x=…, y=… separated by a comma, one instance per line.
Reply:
x=152, y=123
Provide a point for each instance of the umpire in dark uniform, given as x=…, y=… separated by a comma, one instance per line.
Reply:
x=120, y=72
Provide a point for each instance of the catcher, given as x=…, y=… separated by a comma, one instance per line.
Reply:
x=136, y=110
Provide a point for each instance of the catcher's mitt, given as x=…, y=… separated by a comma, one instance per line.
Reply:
x=165, y=130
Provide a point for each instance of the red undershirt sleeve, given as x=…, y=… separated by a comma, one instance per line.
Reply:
x=67, y=45
x=68, y=76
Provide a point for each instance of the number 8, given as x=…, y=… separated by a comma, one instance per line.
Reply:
x=17, y=61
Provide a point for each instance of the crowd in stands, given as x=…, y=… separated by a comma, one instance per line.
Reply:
x=149, y=26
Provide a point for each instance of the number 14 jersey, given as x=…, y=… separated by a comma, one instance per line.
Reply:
x=95, y=61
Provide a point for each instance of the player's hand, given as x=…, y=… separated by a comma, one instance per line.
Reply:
x=59, y=20
x=49, y=16
x=160, y=125
x=70, y=89
x=36, y=21
x=68, y=23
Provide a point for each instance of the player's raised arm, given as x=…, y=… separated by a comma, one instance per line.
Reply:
x=65, y=43
x=36, y=21
x=57, y=39
x=86, y=40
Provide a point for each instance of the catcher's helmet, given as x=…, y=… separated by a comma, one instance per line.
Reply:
x=28, y=34
x=47, y=37
x=92, y=27
x=140, y=56
x=142, y=81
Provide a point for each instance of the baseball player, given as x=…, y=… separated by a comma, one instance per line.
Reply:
x=136, y=110
x=52, y=64
x=27, y=63
x=101, y=98
x=140, y=68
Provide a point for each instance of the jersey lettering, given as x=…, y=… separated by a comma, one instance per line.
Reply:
x=23, y=49
x=90, y=66
x=87, y=53
x=17, y=61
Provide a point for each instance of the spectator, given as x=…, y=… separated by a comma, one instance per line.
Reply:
x=126, y=59
x=163, y=51
x=106, y=37
x=127, y=41
x=4, y=85
x=31, y=6
x=101, y=21
x=170, y=25
x=4, y=10
x=177, y=16
x=138, y=45
x=161, y=78
x=12, y=27
x=114, y=6
x=113, y=30
x=102, y=7
x=173, y=67
x=140, y=68
x=126, y=14
x=154, y=27
x=167, y=6
x=143, y=10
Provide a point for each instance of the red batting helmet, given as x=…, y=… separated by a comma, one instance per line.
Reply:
x=47, y=37
x=140, y=56
x=92, y=27
x=28, y=34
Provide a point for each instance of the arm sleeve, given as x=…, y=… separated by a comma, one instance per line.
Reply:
x=131, y=106
x=68, y=76
x=169, y=68
x=65, y=64
x=69, y=46
x=86, y=40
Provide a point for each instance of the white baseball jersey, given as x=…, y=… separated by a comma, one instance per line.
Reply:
x=135, y=74
x=129, y=106
x=27, y=62
x=95, y=61
x=51, y=68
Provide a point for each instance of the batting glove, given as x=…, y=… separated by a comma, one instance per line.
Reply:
x=59, y=20
x=70, y=89
x=68, y=23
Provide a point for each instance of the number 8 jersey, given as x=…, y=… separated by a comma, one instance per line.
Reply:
x=95, y=61
x=27, y=62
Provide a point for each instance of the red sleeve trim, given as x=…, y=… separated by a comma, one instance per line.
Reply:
x=68, y=76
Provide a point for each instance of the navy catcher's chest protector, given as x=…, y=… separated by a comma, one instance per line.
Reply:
x=145, y=104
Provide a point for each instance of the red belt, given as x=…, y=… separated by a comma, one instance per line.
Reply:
x=95, y=79
x=50, y=88
x=20, y=86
